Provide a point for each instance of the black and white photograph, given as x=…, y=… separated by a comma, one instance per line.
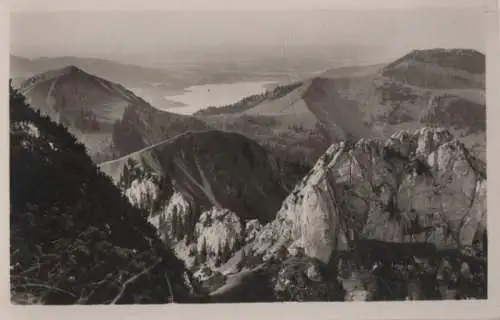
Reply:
x=251, y=156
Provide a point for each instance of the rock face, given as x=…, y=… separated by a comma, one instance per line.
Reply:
x=205, y=192
x=415, y=187
x=218, y=234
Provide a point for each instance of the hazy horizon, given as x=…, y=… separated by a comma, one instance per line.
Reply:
x=155, y=36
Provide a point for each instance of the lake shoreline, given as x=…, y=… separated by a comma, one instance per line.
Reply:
x=198, y=97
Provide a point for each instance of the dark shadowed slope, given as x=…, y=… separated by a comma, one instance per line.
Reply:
x=74, y=238
x=201, y=189
x=143, y=125
x=215, y=168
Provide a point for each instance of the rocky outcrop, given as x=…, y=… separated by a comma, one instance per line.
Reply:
x=252, y=229
x=305, y=279
x=204, y=192
x=218, y=234
x=416, y=187
x=204, y=239
x=142, y=193
x=207, y=238
x=173, y=218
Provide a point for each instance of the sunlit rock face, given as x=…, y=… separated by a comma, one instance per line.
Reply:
x=218, y=235
x=420, y=186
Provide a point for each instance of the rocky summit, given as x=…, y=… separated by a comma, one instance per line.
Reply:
x=415, y=187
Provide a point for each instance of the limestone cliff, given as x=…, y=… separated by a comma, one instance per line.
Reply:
x=415, y=187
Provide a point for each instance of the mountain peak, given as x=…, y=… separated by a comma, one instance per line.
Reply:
x=54, y=74
x=468, y=60
x=72, y=69
x=452, y=51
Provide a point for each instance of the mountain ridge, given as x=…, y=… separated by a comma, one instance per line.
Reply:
x=101, y=113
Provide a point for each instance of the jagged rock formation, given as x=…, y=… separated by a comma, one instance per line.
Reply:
x=252, y=229
x=400, y=219
x=74, y=238
x=219, y=233
x=201, y=189
x=415, y=187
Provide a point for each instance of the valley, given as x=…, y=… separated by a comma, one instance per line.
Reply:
x=362, y=182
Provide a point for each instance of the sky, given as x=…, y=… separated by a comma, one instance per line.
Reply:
x=394, y=30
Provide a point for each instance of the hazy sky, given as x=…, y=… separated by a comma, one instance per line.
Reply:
x=107, y=33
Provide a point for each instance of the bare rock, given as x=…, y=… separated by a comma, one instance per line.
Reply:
x=421, y=186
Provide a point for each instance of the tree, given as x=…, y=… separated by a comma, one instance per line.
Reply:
x=226, y=252
x=174, y=226
x=202, y=255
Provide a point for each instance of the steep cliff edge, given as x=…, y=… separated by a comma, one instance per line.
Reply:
x=415, y=187
x=397, y=220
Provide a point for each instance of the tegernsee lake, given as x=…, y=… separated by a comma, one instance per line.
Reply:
x=217, y=95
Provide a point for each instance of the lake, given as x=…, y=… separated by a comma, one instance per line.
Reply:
x=218, y=95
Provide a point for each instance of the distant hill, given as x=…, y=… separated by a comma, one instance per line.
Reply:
x=101, y=113
x=441, y=87
x=466, y=60
x=151, y=84
x=126, y=74
x=250, y=101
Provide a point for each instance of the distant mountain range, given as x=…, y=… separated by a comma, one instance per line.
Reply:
x=428, y=87
x=113, y=71
x=368, y=171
